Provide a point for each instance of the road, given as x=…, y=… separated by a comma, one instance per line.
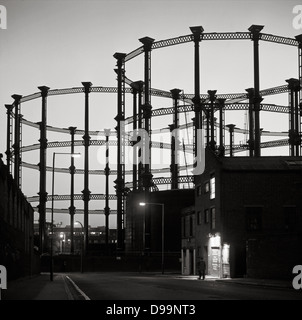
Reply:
x=134, y=286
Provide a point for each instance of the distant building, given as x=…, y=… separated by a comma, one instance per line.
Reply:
x=248, y=216
x=143, y=225
x=97, y=239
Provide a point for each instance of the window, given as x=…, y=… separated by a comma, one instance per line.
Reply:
x=198, y=217
x=198, y=190
x=290, y=217
x=212, y=187
x=206, y=216
x=213, y=218
x=253, y=218
x=207, y=187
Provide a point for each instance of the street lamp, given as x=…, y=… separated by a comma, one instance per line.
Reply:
x=75, y=155
x=82, y=249
x=62, y=238
x=162, y=229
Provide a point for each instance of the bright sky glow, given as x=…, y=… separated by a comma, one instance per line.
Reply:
x=61, y=43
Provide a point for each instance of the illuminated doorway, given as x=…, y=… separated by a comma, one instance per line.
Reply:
x=214, y=258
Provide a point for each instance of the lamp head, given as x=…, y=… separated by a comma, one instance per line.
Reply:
x=76, y=155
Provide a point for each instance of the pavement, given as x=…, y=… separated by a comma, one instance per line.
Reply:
x=39, y=287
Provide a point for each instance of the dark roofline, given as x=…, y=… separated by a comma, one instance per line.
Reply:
x=267, y=163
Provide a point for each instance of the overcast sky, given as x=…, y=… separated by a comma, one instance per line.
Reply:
x=61, y=43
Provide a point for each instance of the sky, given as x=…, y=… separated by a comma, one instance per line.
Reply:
x=62, y=43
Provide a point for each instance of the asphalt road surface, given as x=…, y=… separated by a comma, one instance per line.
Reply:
x=134, y=286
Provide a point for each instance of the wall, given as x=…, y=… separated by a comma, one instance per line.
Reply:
x=16, y=229
x=272, y=250
x=270, y=183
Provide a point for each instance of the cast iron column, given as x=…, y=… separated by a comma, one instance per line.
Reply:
x=86, y=191
x=16, y=144
x=120, y=128
x=42, y=168
x=255, y=36
x=174, y=140
x=251, y=141
x=107, y=209
x=140, y=125
x=72, y=207
x=134, y=87
x=146, y=108
x=9, y=133
x=231, y=130
x=212, y=98
x=197, y=37
x=294, y=117
x=299, y=39
x=221, y=127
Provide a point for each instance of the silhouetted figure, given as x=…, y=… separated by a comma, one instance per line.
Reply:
x=201, y=268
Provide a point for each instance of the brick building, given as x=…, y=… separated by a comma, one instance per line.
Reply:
x=16, y=229
x=248, y=214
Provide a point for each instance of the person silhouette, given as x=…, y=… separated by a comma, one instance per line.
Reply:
x=201, y=268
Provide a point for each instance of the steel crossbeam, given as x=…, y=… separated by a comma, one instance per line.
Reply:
x=172, y=41
x=267, y=144
x=76, y=197
x=278, y=39
x=134, y=53
x=80, y=211
x=31, y=97
x=227, y=36
x=228, y=106
x=231, y=97
x=212, y=36
x=264, y=107
x=56, y=92
x=99, y=172
x=276, y=143
x=166, y=180
x=275, y=90
x=61, y=144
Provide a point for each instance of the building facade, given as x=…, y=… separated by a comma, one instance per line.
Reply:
x=150, y=230
x=17, y=252
x=188, y=241
x=249, y=216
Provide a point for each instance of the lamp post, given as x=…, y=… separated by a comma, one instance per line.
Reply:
x=52, y=205
x=162, y=229
x=62, y=238
x=82, y=249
